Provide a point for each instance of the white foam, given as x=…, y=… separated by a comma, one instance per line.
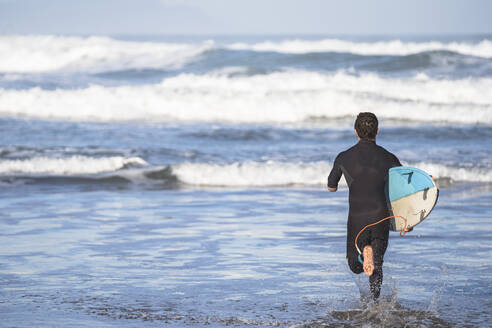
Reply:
x=238, y=174
x=282, y=97
x=68, y=165
x=273, y=173
x=456, y=173
x=39, y=54
x=252, y=173
x=50, y=53
x=394, y=47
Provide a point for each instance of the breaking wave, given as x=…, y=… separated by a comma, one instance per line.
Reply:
x=73, y=165
x=440, y=171
x=252, y=174
x=237, y=174
x=283, y=97
x=97, y=54
x=41, y=54
x=394, y=47
x=283, y=174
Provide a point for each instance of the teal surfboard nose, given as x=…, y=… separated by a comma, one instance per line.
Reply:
x=404, y=181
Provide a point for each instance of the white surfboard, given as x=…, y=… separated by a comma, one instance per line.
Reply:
x=412, y=194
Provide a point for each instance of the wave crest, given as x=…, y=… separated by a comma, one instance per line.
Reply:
x=262, y=174
x=252, y=174
x=69, y=165
x=96, y=54
x=237, y=174
x=282, y=97
x=394, y=47
x=440, y=171
x=41, y=54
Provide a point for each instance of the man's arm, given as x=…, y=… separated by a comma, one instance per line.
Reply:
x=335, y=175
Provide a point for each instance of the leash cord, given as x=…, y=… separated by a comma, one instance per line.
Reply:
x=402, y=232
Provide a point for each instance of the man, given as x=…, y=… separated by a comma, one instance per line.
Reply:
x=365, y=167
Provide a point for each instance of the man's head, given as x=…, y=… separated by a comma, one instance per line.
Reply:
x=366, y=126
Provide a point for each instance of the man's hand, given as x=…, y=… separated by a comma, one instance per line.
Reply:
x=332, y=189
x=408, y=229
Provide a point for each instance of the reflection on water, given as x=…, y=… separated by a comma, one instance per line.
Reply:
x=231, y=258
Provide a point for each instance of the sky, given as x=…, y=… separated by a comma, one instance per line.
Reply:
x=251, y=17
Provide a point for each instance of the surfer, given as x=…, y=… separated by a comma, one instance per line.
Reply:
x=365, y=167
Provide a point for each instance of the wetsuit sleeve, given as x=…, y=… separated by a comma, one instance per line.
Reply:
x=335, y=174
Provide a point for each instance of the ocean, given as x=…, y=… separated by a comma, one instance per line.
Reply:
x=150, y=181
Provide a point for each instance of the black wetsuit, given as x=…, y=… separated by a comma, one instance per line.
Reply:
x=365, y=167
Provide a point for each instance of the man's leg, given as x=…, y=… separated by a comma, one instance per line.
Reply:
x=352, y=254
x=354, y=264
x=376, y=279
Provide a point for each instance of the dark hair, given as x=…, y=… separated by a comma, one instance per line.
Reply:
x=366, y=125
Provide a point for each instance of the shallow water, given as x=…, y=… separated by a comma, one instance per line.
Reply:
x=263, y=257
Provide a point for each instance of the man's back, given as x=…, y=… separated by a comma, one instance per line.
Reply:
x=365, y=167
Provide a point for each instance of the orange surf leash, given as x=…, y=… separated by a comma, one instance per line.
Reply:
x=402, y=232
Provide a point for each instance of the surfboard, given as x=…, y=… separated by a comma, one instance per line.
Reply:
x=410, y=193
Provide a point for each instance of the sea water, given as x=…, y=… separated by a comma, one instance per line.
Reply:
x=181, y=181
